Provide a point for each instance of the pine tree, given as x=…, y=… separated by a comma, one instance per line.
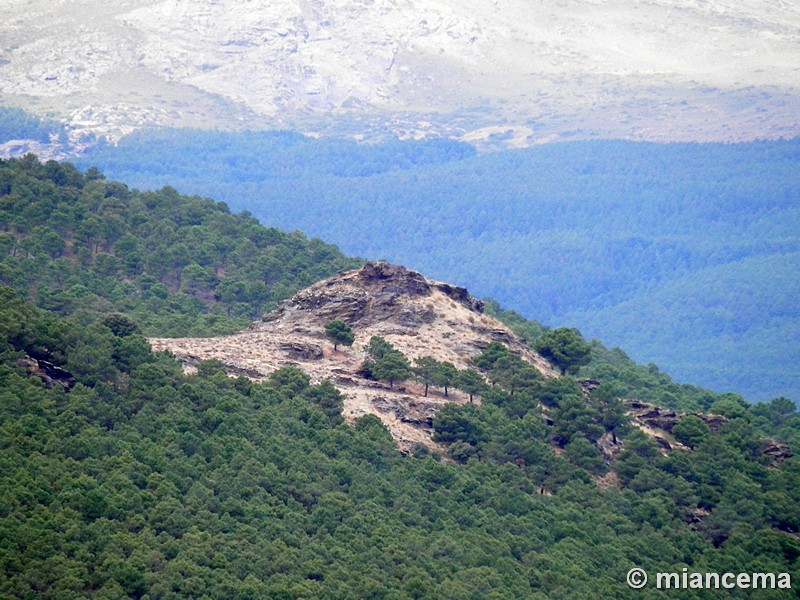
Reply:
x=339, y=332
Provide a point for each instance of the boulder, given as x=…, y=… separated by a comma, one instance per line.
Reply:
x=302, y=350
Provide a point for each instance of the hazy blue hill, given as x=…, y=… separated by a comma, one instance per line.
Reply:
x=16, y=124
x=587, y=234
x=743, y=314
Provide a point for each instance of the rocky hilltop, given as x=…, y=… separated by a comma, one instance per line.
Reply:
x=418, y=316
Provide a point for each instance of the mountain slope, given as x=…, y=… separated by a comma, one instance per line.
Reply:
x=75, y=242
x=508, y=71
x=124, y=476
x=186, y=266
x=140, y=480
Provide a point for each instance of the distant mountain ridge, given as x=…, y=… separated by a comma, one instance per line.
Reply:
x=496, y=73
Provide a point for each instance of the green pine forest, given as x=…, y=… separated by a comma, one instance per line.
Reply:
x=123, y=477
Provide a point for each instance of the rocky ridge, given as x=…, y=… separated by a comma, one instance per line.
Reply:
x=493, y=72
x=418, y=316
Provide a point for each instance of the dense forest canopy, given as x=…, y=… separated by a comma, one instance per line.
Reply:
x=123, y=477
x=76, y=243
x=683, y=254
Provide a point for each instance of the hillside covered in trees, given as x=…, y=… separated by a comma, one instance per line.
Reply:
x=78, y=244
x=122, y=476
x=683, y=254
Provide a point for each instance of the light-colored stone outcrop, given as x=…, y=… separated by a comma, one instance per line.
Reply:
x=418, y=316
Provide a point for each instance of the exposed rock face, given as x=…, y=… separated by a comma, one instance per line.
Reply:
x=384, y=278
x=302, y=351
x=588, y=386
x=460, y=294
x=409, y=410
x=659, y=422
x=777, y=450
x=607, y=446
x=656, y=417
x=696, y=517
x=379, y=292
x=50, y=374
x=418, y=316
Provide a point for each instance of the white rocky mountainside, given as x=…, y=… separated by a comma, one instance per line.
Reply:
x=514, y=71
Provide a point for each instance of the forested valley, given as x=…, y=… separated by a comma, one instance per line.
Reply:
x=122, y=476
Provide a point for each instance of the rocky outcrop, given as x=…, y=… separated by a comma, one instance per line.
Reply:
x=777, y=451
x=654, y=419
x=302, y=350
x=420, y=317
x=588, y=386
x=657, y=417
x=409, y=410
x=393, y=280
x=695, y=517
x=496, y=335
x=460, y=294
x=325, y=303
x=605, y=444
x=50, y=374
x=376, y=293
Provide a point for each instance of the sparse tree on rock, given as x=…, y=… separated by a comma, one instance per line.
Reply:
x=379, y=347
x=487, y=358
x=445, y=375
x=471, y=382
x=425, y=369
x=524, y=377
x=691, y=430
x=612, y=412
x=339, y=332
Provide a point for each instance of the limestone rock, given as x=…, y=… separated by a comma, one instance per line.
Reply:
x=301, y=350
x=657, y=417
x=659, y=422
